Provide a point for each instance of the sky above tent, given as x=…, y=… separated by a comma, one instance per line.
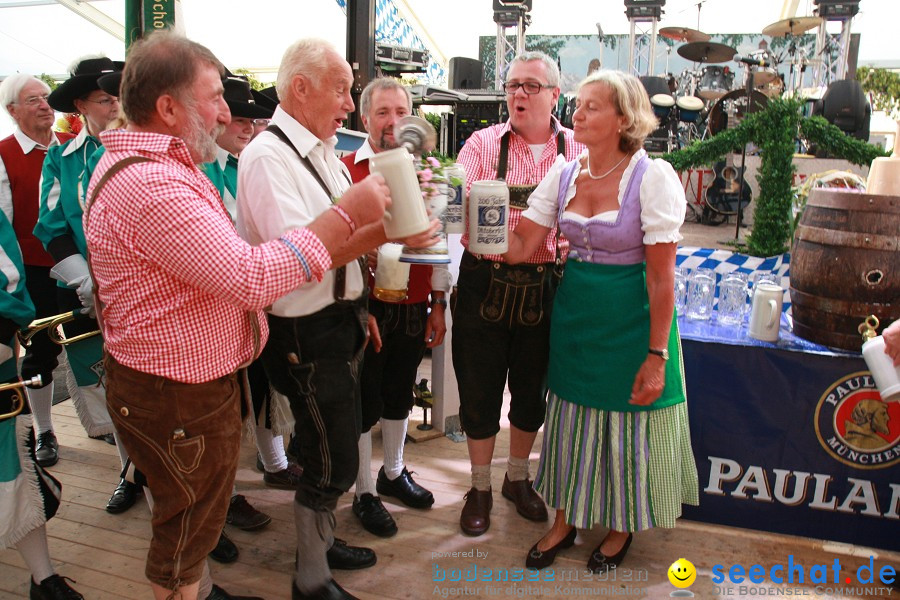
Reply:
x=48, y=38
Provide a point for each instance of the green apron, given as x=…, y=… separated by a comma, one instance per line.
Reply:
x=599, y=337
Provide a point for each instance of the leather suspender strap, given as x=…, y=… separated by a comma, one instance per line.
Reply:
x=107, y=175
x=340, y=274
x=503, y=159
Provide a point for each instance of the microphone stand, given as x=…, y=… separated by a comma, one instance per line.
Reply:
x=737, y=229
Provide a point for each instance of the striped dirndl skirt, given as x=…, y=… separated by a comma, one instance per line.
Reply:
x=627, y=471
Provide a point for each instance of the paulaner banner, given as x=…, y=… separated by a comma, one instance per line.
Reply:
x=793, y=442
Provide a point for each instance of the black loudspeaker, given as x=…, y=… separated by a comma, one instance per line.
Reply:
x=466, y=74
x=845, y=105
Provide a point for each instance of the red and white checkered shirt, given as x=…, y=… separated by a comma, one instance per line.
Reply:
x=179, y=287
x=480, y=156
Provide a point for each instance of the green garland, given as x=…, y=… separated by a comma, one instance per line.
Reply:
x=774, y=130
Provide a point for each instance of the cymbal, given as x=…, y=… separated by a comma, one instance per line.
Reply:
x=707, y=52
x=792, y=26
x=684, y=34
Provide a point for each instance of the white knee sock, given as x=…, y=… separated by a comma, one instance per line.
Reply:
x=41, y=400
x=271, y=450
x=123, y=453
x=393, y=434
x=34, y=550
x=364, y=483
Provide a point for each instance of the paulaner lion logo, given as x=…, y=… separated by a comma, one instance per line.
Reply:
x=855, y=426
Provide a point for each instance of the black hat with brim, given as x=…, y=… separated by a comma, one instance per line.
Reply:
x=240, y=100
x=267, y=97
x=111, y=82
x=82, y=82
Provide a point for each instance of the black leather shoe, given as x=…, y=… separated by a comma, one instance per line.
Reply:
x=600, y=563
x=123, y=497
x=374, y=516
x=106, y=437
x=53, y=588
x=349, y=558
x=225, y=550
x=404, y=489
x=243, y=516
x=538, y=559
x=331, y=591
x=218, y=593
x=46, y=452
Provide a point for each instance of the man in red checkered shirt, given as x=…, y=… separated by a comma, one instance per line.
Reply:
x=180, y=295
x=501, y=313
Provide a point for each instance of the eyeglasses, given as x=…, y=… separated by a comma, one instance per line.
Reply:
x=104, y=101
x=529, y=87
x=36, y=100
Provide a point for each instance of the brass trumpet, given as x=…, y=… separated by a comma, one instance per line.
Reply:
x=18, y=397
x=51, y=324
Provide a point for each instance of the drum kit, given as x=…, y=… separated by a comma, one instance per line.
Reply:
x=709, y=98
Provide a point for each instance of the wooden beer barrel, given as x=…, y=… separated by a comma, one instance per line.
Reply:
x=845, y=265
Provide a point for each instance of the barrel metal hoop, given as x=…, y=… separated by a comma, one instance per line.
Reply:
x=843, y=307
x=858, y=203
x=847, y=239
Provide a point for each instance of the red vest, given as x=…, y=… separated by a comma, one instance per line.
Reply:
x=419, y=275
x=24, y=172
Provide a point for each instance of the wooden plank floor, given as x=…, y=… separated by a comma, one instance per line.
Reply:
x=105, y=553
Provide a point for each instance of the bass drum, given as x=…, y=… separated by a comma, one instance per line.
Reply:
x=734, y=102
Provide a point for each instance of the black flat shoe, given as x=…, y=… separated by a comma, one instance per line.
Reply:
x=53, y=588
x=404, y=489
x=373, y=516
x=225, y=551
x=123, y=497
x=330, y=591
x=538, y=559
x=600, y=563
x=349, y=558
x=46, y=451
x=218, y=593
x=106, y=437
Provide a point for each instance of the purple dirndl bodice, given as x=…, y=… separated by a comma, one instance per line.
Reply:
x=611, y=243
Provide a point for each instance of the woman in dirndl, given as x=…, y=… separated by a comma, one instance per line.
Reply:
x=616, y=449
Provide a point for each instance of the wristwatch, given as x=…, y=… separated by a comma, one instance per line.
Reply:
x=441, y=301
x=664, y=353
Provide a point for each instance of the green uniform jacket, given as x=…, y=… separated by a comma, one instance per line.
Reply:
x=223, y=174
x=64, y=182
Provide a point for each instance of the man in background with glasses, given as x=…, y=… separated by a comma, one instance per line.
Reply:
x=21, y=159
x=501, y=316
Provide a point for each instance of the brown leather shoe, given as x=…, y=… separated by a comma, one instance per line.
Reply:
x=528, y=503
x=476, y=513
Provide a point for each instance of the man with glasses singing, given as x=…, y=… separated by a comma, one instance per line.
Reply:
x=21, y=159
x=501, y=317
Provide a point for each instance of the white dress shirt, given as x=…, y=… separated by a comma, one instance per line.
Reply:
x=276, y=193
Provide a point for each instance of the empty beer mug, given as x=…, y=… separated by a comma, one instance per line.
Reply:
x=732, y=299
x=759, y=277
x=681, y=285
x=701, y=294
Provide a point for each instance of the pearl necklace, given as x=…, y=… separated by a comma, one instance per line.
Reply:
x=596, y=177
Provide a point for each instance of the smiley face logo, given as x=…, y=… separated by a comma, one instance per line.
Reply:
x=682, y=573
